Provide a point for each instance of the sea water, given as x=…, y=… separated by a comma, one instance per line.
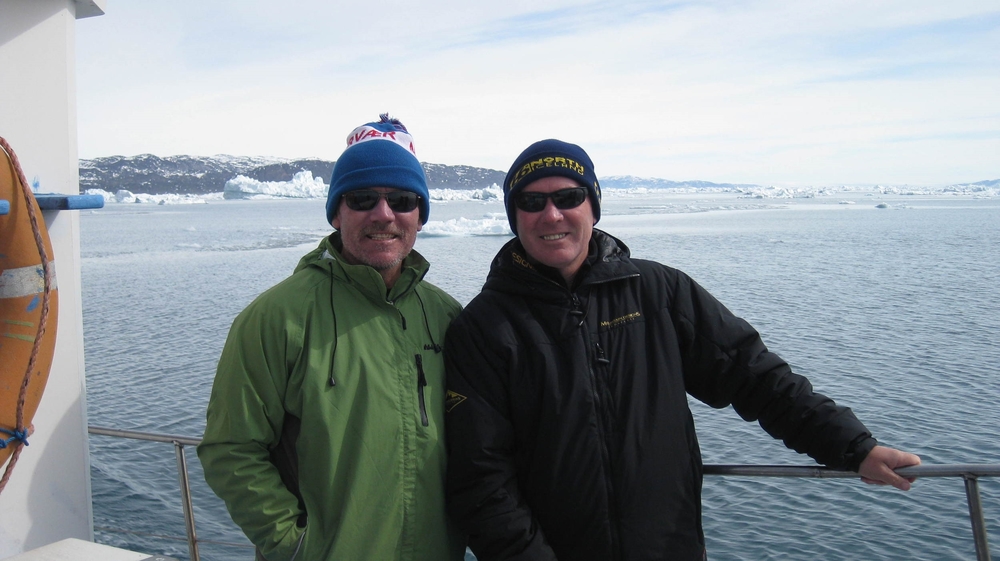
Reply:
x=887, y=303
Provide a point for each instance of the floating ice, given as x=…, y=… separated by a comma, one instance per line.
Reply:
x=302, y=185
x=778, y=193
x=125, y=196
x=491, y=193
x=493, y=224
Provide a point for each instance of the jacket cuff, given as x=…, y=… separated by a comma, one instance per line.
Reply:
x=858, y=451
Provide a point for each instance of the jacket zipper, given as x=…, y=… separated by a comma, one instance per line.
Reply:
x=421, y=382
x=602, y=430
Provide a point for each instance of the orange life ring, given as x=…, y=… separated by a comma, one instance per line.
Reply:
x=24, y=305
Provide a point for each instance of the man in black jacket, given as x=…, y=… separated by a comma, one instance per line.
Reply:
x=569, y=432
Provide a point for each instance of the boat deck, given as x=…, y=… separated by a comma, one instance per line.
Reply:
x=73, y=549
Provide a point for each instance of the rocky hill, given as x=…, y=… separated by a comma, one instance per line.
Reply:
x=154, y=175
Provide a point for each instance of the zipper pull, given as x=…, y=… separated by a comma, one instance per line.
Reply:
x=402, y=318
x=578, y=311
x=421, y=382
x=601, y=358
x=421, y=378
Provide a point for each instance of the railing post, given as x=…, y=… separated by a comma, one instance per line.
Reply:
x=976, y=515
x=182, y=475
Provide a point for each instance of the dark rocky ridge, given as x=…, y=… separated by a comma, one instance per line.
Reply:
x=151, y=174
x=154, y=175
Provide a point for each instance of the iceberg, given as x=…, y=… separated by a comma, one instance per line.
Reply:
x=302, y=185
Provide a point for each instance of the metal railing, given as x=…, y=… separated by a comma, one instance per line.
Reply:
x=179, y=443
x=970, y=473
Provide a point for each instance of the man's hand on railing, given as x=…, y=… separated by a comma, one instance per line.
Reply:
x=877, y=468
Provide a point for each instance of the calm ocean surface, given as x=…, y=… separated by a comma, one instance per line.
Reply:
x=894, y=311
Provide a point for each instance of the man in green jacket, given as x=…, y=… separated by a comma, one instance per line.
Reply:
x=325, y=428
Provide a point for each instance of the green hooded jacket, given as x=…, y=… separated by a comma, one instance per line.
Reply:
x=325, y=428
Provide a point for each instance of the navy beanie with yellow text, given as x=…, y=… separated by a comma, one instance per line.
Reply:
x=547, y=158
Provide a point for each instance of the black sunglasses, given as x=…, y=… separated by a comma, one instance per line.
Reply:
x=563, y=199
x=366, y=199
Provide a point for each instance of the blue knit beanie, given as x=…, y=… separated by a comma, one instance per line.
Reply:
x=547, y=158
x=390, y=162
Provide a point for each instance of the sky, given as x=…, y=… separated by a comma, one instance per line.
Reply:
x=772, y=92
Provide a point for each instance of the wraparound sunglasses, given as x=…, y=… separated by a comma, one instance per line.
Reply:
x=563, y=199
x=366, y=199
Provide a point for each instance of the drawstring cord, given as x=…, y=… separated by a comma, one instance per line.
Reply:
x=433, y=346
x=333, y=355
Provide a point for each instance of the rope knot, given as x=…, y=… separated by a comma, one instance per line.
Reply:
x=15, y=435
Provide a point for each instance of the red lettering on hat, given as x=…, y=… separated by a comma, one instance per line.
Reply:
x=365, y=133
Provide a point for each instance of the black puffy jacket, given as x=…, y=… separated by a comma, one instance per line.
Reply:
x=568, y=426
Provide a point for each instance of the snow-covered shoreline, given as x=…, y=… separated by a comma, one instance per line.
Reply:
x=304, y=186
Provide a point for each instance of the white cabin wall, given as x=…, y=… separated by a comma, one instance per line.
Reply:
x=48, y=497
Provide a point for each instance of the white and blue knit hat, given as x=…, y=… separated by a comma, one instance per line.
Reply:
x=389, y=162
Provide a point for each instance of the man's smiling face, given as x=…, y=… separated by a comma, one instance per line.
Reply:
x=380, y=237
x=559, y=238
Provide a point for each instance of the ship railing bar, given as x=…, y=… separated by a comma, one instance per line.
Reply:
x=940, y=470
x=182, y=475
x=156, y=437
x=970, y=473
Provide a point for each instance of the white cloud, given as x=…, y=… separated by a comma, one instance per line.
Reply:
x=780, y=91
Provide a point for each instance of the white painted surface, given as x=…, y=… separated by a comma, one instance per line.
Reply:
x=48, y=497
x=79, y=550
